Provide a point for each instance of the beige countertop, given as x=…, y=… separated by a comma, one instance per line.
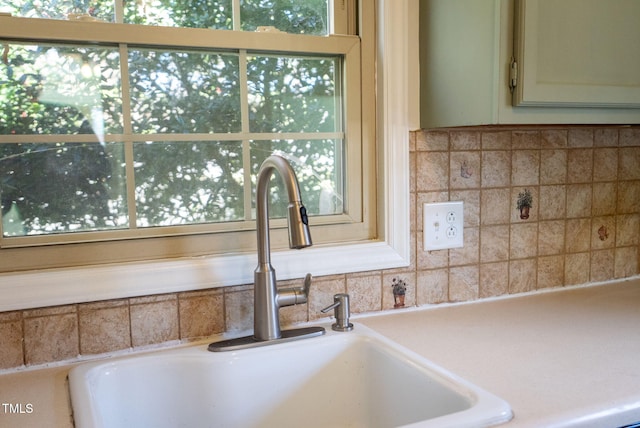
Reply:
x=560, y=358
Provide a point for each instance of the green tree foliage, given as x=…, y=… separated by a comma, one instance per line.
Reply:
x=67, y=186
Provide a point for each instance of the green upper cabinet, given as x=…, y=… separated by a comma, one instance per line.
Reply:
x=529, y=62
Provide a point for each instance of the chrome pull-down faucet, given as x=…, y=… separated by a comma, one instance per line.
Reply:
x=268, y=299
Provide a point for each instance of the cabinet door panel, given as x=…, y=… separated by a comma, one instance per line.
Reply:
x=570, y=53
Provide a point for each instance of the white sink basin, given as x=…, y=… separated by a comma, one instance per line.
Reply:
x=355, y=379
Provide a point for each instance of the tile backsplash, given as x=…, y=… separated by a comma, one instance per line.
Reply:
x=583, y=225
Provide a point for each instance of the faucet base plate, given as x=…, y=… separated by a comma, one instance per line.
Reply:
x=247, y=342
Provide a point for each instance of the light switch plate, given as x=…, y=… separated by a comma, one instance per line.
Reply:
x=443, y=225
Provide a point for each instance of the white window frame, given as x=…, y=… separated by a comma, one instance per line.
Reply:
x=30, y=289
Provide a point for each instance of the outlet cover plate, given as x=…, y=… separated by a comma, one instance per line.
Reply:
x=443, y=225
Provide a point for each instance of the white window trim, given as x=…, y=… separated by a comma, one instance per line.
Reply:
x=22, y=290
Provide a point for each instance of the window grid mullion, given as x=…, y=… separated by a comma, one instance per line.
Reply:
x=246, y=143
x=128, y=130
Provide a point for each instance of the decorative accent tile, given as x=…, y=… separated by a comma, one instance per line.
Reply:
x=465, y=170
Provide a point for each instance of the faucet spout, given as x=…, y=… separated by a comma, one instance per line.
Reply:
x=267, y=298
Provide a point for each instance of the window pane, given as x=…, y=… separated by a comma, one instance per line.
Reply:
x=59, y=9
x=214, y=14
x=62, y=187
x=184, y=92
x=293, y=94
x=318, y=168
x=290, y=16
x=48, y=89
x=188, y=182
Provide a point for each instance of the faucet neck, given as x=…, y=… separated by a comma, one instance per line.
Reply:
x=299, y=236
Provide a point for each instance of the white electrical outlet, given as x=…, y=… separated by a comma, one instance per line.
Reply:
x=443, y=225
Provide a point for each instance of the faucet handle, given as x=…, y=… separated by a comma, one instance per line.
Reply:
x=295, y=295
x=341, y=312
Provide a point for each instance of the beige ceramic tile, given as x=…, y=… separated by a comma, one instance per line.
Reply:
x=322, y=292
x=432, y=286
x=432, y=140
x=553, y=202
x=580, y=137
x=627, y=230
x=602, y=265
x=465, y=170
x=432, y=171
x=578, y=235
x=365, y=292
x=51, y=337
x=238, y=307
x=465, y=140
x=525, y=167
x=201, y=313
x=630, y=163
x=430, y=259
x=626, y=262
x=630, y=136
x=553, y=167
x=464, y=283
x=496, y=168
x=551, y=237
x=495, y=206
x=154, y=320
x=553, y=138
x=550, y=271
x=525, y=139
x=605, y=137
x=604, y=199
x=494, y=243
x=496, y=140
x=628, y=197
x=576, y=268
x=522, y=275
x=11, y=353
x=471, y=199
x=469, y=253
x=523, y=240
x=104, y=327
x=494, y=279
x=579, y=198
x=605, y=164
x=580, y=165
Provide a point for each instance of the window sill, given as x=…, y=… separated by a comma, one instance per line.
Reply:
x=65, y=286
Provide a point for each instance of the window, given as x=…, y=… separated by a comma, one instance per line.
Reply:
x=144, y=141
